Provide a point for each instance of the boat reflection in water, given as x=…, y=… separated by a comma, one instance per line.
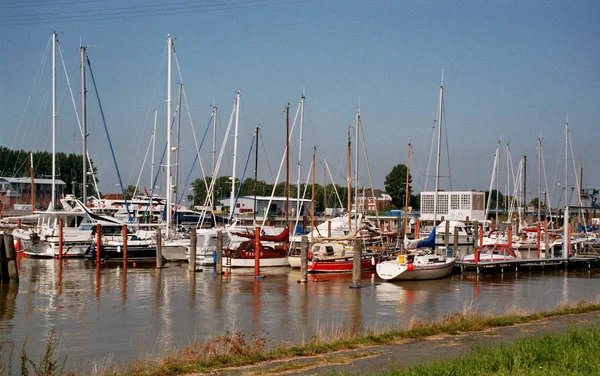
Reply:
x=99, y=310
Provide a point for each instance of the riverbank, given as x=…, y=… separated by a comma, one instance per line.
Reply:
x=374, y=353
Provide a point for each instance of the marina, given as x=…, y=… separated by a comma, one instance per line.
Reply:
x=102, y=312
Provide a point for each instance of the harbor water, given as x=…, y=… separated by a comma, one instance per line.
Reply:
x=108, y=312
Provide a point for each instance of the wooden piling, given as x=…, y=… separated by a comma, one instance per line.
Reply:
x=303, y=259
x=124, y=234
x=219, y=258
x=447, y=236
x=98, y=241
x=158, y=248
x=356, y=258
x=60, y=238
x=4, y=278
x=9, y=249
x=19, y=245
x=455, y=249
x=193, y=242
x=256, y=251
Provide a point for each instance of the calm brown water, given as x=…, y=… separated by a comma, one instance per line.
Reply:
x=108, y=311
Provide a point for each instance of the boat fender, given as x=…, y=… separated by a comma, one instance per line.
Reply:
x=310, y=256
x=372, y=260
x=400, y=259
x=410, y=267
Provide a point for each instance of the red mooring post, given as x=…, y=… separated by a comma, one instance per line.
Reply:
x=60, y=238
x=98, y=241
x=124, y=245
x=256, y=251
x=18, y=240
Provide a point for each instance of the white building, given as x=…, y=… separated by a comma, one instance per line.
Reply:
x=245, y=204
x=454, y=206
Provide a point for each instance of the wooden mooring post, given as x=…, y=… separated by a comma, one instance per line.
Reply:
x=356, y=269
x=446, y=237
x=9, y=272
x=303, y=259
x=124, y=233
x=455, y=252
x=158, y=248
x=193, y=242
x=98, y=241
x=60, y=238
x=219, y=255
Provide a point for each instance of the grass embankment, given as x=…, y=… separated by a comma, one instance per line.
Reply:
x=575, y=353
x=237, y=350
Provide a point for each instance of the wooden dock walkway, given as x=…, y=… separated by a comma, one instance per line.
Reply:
x=581, y=261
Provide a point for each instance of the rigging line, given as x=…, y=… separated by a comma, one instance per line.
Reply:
x=218, y=165
x=148, y=13
x=303, y=197
x=35, y=81
x=278, y=172
x=137, y=183
x=362, y=132
x=429, y=158
x=129, y=217
x=334, y=185
x=237, y=196
x=575, y=174
x=548, y=207
x=87, y=155
x=194, y=163
x=447, y=145
x=267, y=159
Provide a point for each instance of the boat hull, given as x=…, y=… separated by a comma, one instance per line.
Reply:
x=236, y=262
x=340, y=265
x=393, y=271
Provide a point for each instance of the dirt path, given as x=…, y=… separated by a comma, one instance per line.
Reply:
x=374, y=359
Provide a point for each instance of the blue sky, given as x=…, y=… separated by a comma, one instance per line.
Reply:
x=512, y=71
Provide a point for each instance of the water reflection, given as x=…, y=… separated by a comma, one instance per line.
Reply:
x=132, y=311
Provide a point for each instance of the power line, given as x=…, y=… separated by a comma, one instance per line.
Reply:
x=138, y=11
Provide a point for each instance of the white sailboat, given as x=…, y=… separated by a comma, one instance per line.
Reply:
x=423, y=262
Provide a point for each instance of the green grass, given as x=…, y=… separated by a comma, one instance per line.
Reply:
x=575, y=353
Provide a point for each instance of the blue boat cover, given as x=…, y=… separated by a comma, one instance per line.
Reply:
x=429, y=242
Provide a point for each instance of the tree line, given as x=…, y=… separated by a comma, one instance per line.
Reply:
x=69, y=168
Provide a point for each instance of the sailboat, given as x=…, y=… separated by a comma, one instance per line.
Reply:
x=46, y=238
x=422, y=262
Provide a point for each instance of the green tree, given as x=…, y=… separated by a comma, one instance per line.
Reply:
x=395, y=184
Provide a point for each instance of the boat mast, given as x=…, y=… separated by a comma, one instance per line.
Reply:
x=312, y=204
x=406, y=192
x=539, y=214
x=255, y=177
x=439, y=141
x=235, y=141
x=324, y=194
x=214, y=142
x=84, y=126
x=32, y=184
x=287, y=166
x=566, y=216
x=349, y=181
x=356, y=130
x=54, y=39
x=153, y=149
x=176, y=185
x=497, y=182
x=298, y=205
x=169, y=183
